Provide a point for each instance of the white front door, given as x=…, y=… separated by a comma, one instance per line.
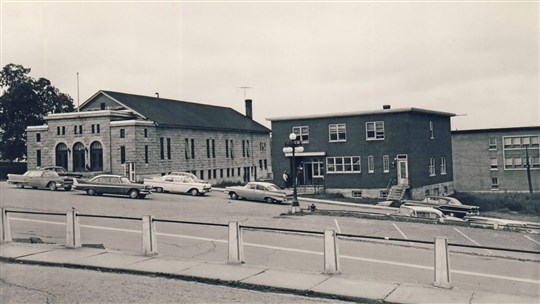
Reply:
x=402, y=170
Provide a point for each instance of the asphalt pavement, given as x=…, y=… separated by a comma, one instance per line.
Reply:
x=253, y=277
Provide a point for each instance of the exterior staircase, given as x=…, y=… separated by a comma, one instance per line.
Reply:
x=397, y=192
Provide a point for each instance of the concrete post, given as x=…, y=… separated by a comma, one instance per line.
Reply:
x=236, y=246
x=331, y=252
x=442, y=263
x=73, y=230
x=149, y=241
x=4, y=225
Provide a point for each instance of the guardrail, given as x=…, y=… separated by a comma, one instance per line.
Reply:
x=235, y=242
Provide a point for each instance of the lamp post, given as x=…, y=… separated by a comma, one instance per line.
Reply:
x=293, y=146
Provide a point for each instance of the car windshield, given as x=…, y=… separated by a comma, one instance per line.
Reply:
x=272, y=188
x=124, y=180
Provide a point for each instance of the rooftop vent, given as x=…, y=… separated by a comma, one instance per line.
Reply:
x=249, y=108
x=386, y=107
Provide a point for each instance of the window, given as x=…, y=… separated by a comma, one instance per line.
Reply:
x=168, y=148
x=265, y=164
x=386, y=164
x=375, y=130
x=443, y=165
x=210, y=148
x=192, y=148
x=93, y=129
x=492, y=143
x=122, y=154
x=186, y=148
x=207, y=148
x=262, y=147
x=302, y=133
x=370, y=164
x=38, y=158
x=337, y=132
x=146, y=154
x=161, y=147
x=122, y=133
x=213, y=148
x=221, y=173
x=231, y=147
x=57, y=130
x=38, y=137
x=356, y=193
x=145, y=133
x=432, y=166
x=493, y=163
x=75, y=129
x=515, y=152
x=431, y=134
x=63, y=130
x=260, y=163
x=347, y=164
x=97, y=128
x=247, y=148
x=494, y=183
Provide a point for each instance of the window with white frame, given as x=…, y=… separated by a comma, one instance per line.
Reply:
x=493, y=163
x=375, y=130
x=516, y=149
x=386, y=164
x=345, y=164
x=302, y=133
x=492, y=143
x=337, y=132
x=431, y=166
x=494, y=183
x=443, y=165
x=370, y=164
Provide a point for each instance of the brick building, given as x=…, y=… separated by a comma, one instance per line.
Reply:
x=495, y=159
x=140, y=136
x=389, y=152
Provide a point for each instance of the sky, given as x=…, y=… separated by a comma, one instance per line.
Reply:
x=479, y=60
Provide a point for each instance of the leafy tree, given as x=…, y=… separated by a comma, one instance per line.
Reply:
x=25, y=102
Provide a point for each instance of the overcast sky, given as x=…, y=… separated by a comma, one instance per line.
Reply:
x=479, y=60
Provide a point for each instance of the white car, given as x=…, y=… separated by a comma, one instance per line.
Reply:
x=259, y=191
x=188, y=174
x=178, y=184
x=425, y=212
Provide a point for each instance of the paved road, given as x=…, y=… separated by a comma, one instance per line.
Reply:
x=405, y=262
x=38, y=284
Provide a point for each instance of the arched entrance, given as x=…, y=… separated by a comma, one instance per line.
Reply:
x=61, y=152
x=96, y=156
x=78, y=157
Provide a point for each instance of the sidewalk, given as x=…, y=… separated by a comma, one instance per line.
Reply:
x=246, y=276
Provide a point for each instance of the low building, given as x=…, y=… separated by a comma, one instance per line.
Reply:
x=487, y=160
x=391, y=153
x=140, y=136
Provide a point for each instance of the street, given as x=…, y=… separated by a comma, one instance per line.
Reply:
x=513, y=273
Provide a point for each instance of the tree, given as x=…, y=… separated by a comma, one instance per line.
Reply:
x=25, y=102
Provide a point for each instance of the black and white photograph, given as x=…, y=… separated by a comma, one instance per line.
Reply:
x=273, y=151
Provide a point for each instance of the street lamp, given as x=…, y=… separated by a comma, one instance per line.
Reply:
x=293, y=146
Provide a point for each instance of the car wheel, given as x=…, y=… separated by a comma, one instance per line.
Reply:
x=20, y=186
x=194, y=192
x=159, y=190
x=269, y=200
x=133, y=193
x=141, y=196
x=91, y=192
x=67, y=188
x=52, y=186
x=233, y=195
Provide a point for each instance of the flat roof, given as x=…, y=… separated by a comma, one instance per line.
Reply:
x=362, y=113
x=496, y=130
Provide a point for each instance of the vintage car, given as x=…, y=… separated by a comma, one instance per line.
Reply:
x=178, y=184
x=61, y=171
x=111, y=184
x=188, y=174
x=425, y=213
x=448, y=205
x=41, y=179
x=259, y=191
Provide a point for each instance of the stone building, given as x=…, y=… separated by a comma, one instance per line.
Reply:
x=142, y=136
x=492, y=160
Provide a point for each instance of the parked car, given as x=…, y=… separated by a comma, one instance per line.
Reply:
x=112, y=184
x=178, y=184
x=498, y=223
x=448, y=205
x=61, y=171
x=259, y=191
x=41, y=179
x=426, y=213
x=188, y=174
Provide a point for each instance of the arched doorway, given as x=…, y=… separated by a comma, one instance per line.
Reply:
x=61, y=153
x=78, y=157
x=96, y=156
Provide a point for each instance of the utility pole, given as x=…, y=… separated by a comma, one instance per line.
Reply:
x=245, y=89
x=528, y=166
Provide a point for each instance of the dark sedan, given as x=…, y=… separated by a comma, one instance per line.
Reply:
x=111, y=184
x=447, y=205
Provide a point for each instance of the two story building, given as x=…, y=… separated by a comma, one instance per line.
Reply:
x=495, y=160
x=393, y=153
x=142, y=136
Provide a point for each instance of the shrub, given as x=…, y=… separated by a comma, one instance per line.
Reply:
x=518, y=202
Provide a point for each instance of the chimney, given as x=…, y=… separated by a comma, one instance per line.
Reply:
x=386, y=107
x=249, y=108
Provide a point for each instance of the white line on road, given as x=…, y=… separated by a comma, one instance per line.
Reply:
x=531, y=239
x=477, y=274
x=468, y=238
x=403, y=234
x=337, y=225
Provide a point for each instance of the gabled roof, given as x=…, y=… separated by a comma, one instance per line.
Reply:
x=176, y=113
